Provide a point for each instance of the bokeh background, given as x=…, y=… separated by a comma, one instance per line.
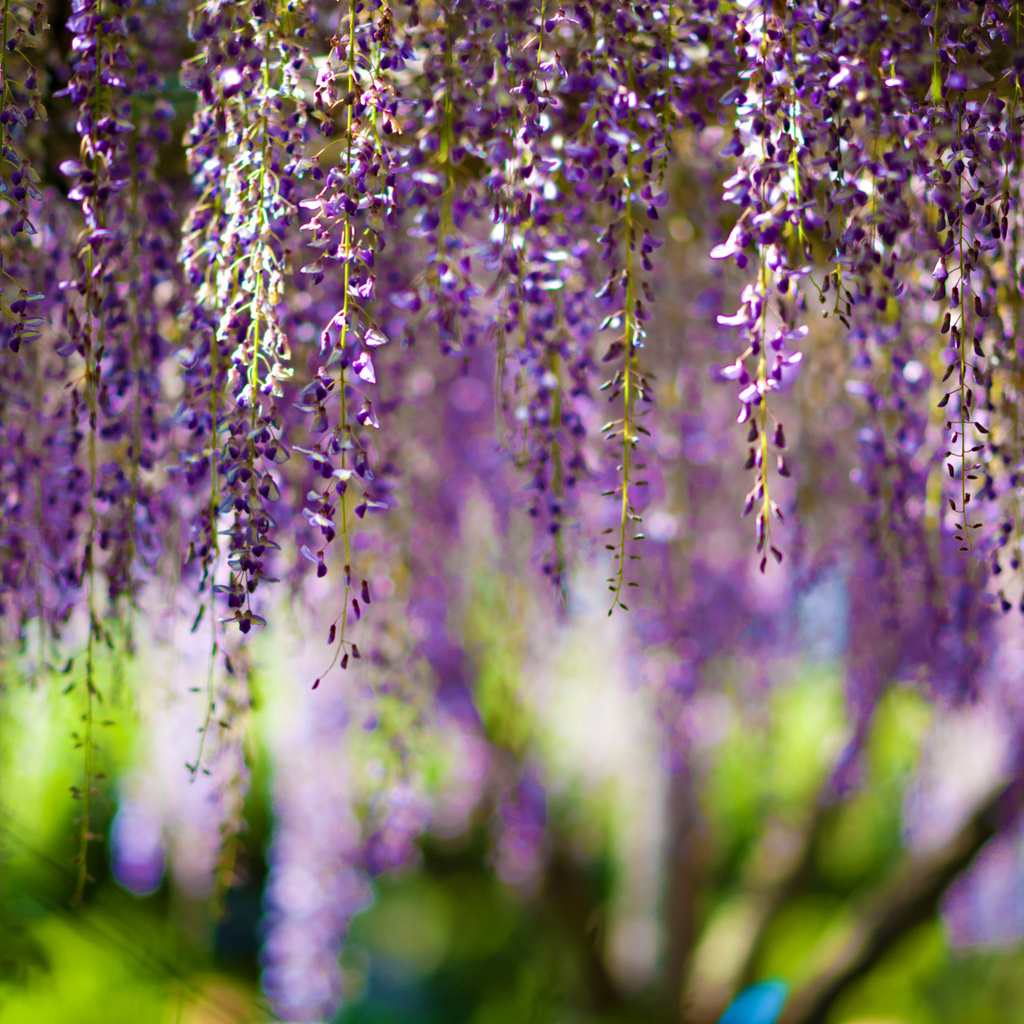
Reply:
x=507, y=812
x=612, y=885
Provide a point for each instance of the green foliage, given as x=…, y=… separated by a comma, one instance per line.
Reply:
x=449, y=943
x=493, y=635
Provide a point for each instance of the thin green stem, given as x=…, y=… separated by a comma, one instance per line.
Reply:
x=86, y=739
x=92, y=344
x=3, y=71
x=762, y=363
x=628, y=386
x=136, y=345
x=213, y=553
x=962, y=339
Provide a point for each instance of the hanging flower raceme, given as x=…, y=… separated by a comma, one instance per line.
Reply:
x=246, y=149
x=542, y=260
x=39, y=567
x=624, y=122
x=448, y=114
x=784, y=77
x=110, y=337
x=21, y=109
x=30, y=585
x=354, y=207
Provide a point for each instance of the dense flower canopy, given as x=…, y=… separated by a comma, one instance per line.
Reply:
x=731, y=289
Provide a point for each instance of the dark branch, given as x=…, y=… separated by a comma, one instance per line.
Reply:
x=911, y=899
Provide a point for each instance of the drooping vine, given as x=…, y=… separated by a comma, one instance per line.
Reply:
x=210, y=349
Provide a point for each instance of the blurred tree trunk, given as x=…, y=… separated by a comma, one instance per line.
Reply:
x=684, y=878
x=911, y=897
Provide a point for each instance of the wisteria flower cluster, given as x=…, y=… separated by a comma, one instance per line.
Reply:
x=692, y=261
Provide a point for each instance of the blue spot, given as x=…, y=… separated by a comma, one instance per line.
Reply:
x=760, y=1004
